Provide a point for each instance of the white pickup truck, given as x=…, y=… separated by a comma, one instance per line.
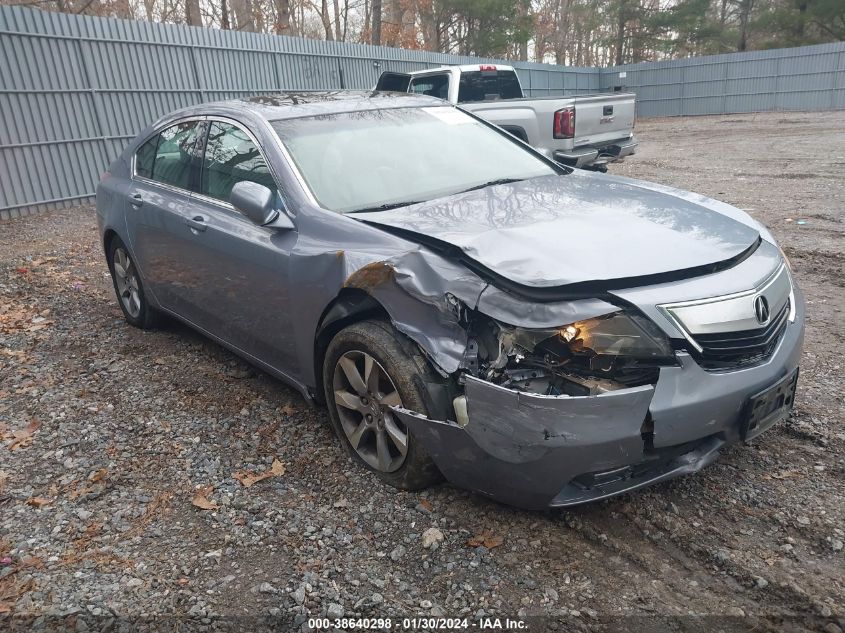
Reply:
x=586, y=131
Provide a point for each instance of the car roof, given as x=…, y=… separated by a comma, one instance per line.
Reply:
x=296, y=104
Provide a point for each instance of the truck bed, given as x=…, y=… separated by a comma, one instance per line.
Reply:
x=600, y=119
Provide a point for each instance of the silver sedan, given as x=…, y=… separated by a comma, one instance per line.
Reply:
x=465, y=308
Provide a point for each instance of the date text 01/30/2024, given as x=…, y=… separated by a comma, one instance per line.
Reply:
x=417, y=624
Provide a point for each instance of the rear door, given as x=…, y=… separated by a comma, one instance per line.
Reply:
x=393, y=82
x=159, y=204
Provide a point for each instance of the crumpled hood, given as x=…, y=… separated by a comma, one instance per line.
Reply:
x=580, y=227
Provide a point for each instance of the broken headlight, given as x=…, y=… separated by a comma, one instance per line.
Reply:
x=617, y=334
x=587, y=357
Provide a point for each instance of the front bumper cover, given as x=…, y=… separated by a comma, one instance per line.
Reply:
x=536, y=452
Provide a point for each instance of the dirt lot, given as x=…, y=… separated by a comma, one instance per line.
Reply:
x=109, y=432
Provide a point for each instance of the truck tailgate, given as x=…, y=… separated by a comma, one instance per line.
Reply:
x=602, y=118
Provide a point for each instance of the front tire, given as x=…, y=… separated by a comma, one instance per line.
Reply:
x=366, y=371
x=129, y=288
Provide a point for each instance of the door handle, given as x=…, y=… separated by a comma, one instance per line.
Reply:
x=197, y=223
x=136, y=200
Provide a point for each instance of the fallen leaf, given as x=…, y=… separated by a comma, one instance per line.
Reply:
x=23, y=437
x=247, y=479
x=38, y=502
x=425, y=503
x=21, y=270
x=201, y=499
x=39, y=326
x=32, y=561
x=4, y=477
x=100, y=475
x=487, y=539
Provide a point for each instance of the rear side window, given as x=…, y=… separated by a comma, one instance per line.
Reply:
x=231, y=157
x=433, y=86
x=488, y=85
x=170, y=157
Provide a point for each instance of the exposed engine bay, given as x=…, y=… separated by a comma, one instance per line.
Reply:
x=616, y=351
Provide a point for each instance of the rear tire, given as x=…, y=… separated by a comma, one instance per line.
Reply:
x=129, y=288
x=366, y=371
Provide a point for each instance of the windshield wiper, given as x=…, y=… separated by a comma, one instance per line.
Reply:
x=408, y=203
x=386, y=207
x=500, y=181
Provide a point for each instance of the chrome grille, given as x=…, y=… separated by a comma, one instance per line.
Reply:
x=727, y=331
x=744, y=347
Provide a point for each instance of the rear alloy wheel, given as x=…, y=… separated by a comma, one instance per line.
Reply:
x=368, y=369
x=129, y=288
x=363, y=395
x=126, y=282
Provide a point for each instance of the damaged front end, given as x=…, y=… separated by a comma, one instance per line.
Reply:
x=552, y=417
x=548, y=413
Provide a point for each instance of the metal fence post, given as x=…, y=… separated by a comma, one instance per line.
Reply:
x=99, y=119
x=197, y=80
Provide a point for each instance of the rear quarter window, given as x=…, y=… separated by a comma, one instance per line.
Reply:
x=145, y=157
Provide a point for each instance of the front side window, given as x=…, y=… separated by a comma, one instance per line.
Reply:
x=231, y=157
x=175, y=155
x=432, y=85
x=360, y=160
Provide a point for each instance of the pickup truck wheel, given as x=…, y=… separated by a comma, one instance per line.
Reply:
x=367, y=370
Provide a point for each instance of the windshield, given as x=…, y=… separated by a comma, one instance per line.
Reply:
x=354, y=161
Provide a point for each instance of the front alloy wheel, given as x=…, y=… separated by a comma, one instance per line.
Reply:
x=368, y=369
x=363, y=395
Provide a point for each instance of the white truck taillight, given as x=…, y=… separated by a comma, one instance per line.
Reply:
x=564, y=123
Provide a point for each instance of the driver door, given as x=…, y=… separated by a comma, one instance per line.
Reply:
x=240, y=291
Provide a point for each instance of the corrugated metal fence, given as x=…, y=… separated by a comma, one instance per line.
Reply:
x=806, y=78
x=74, y=89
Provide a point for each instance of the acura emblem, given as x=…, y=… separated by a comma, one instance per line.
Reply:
x=761, y=309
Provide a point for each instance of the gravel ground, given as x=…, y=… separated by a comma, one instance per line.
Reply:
x=118, y=494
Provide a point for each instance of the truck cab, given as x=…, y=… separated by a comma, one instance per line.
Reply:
x=585, y=131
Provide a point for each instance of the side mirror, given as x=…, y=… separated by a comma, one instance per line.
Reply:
x=256, y=202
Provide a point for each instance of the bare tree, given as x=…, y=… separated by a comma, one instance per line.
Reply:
x=376, y=28
x=244, y=19
x=192, y=13
x=282, y=25
x=224, y=15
